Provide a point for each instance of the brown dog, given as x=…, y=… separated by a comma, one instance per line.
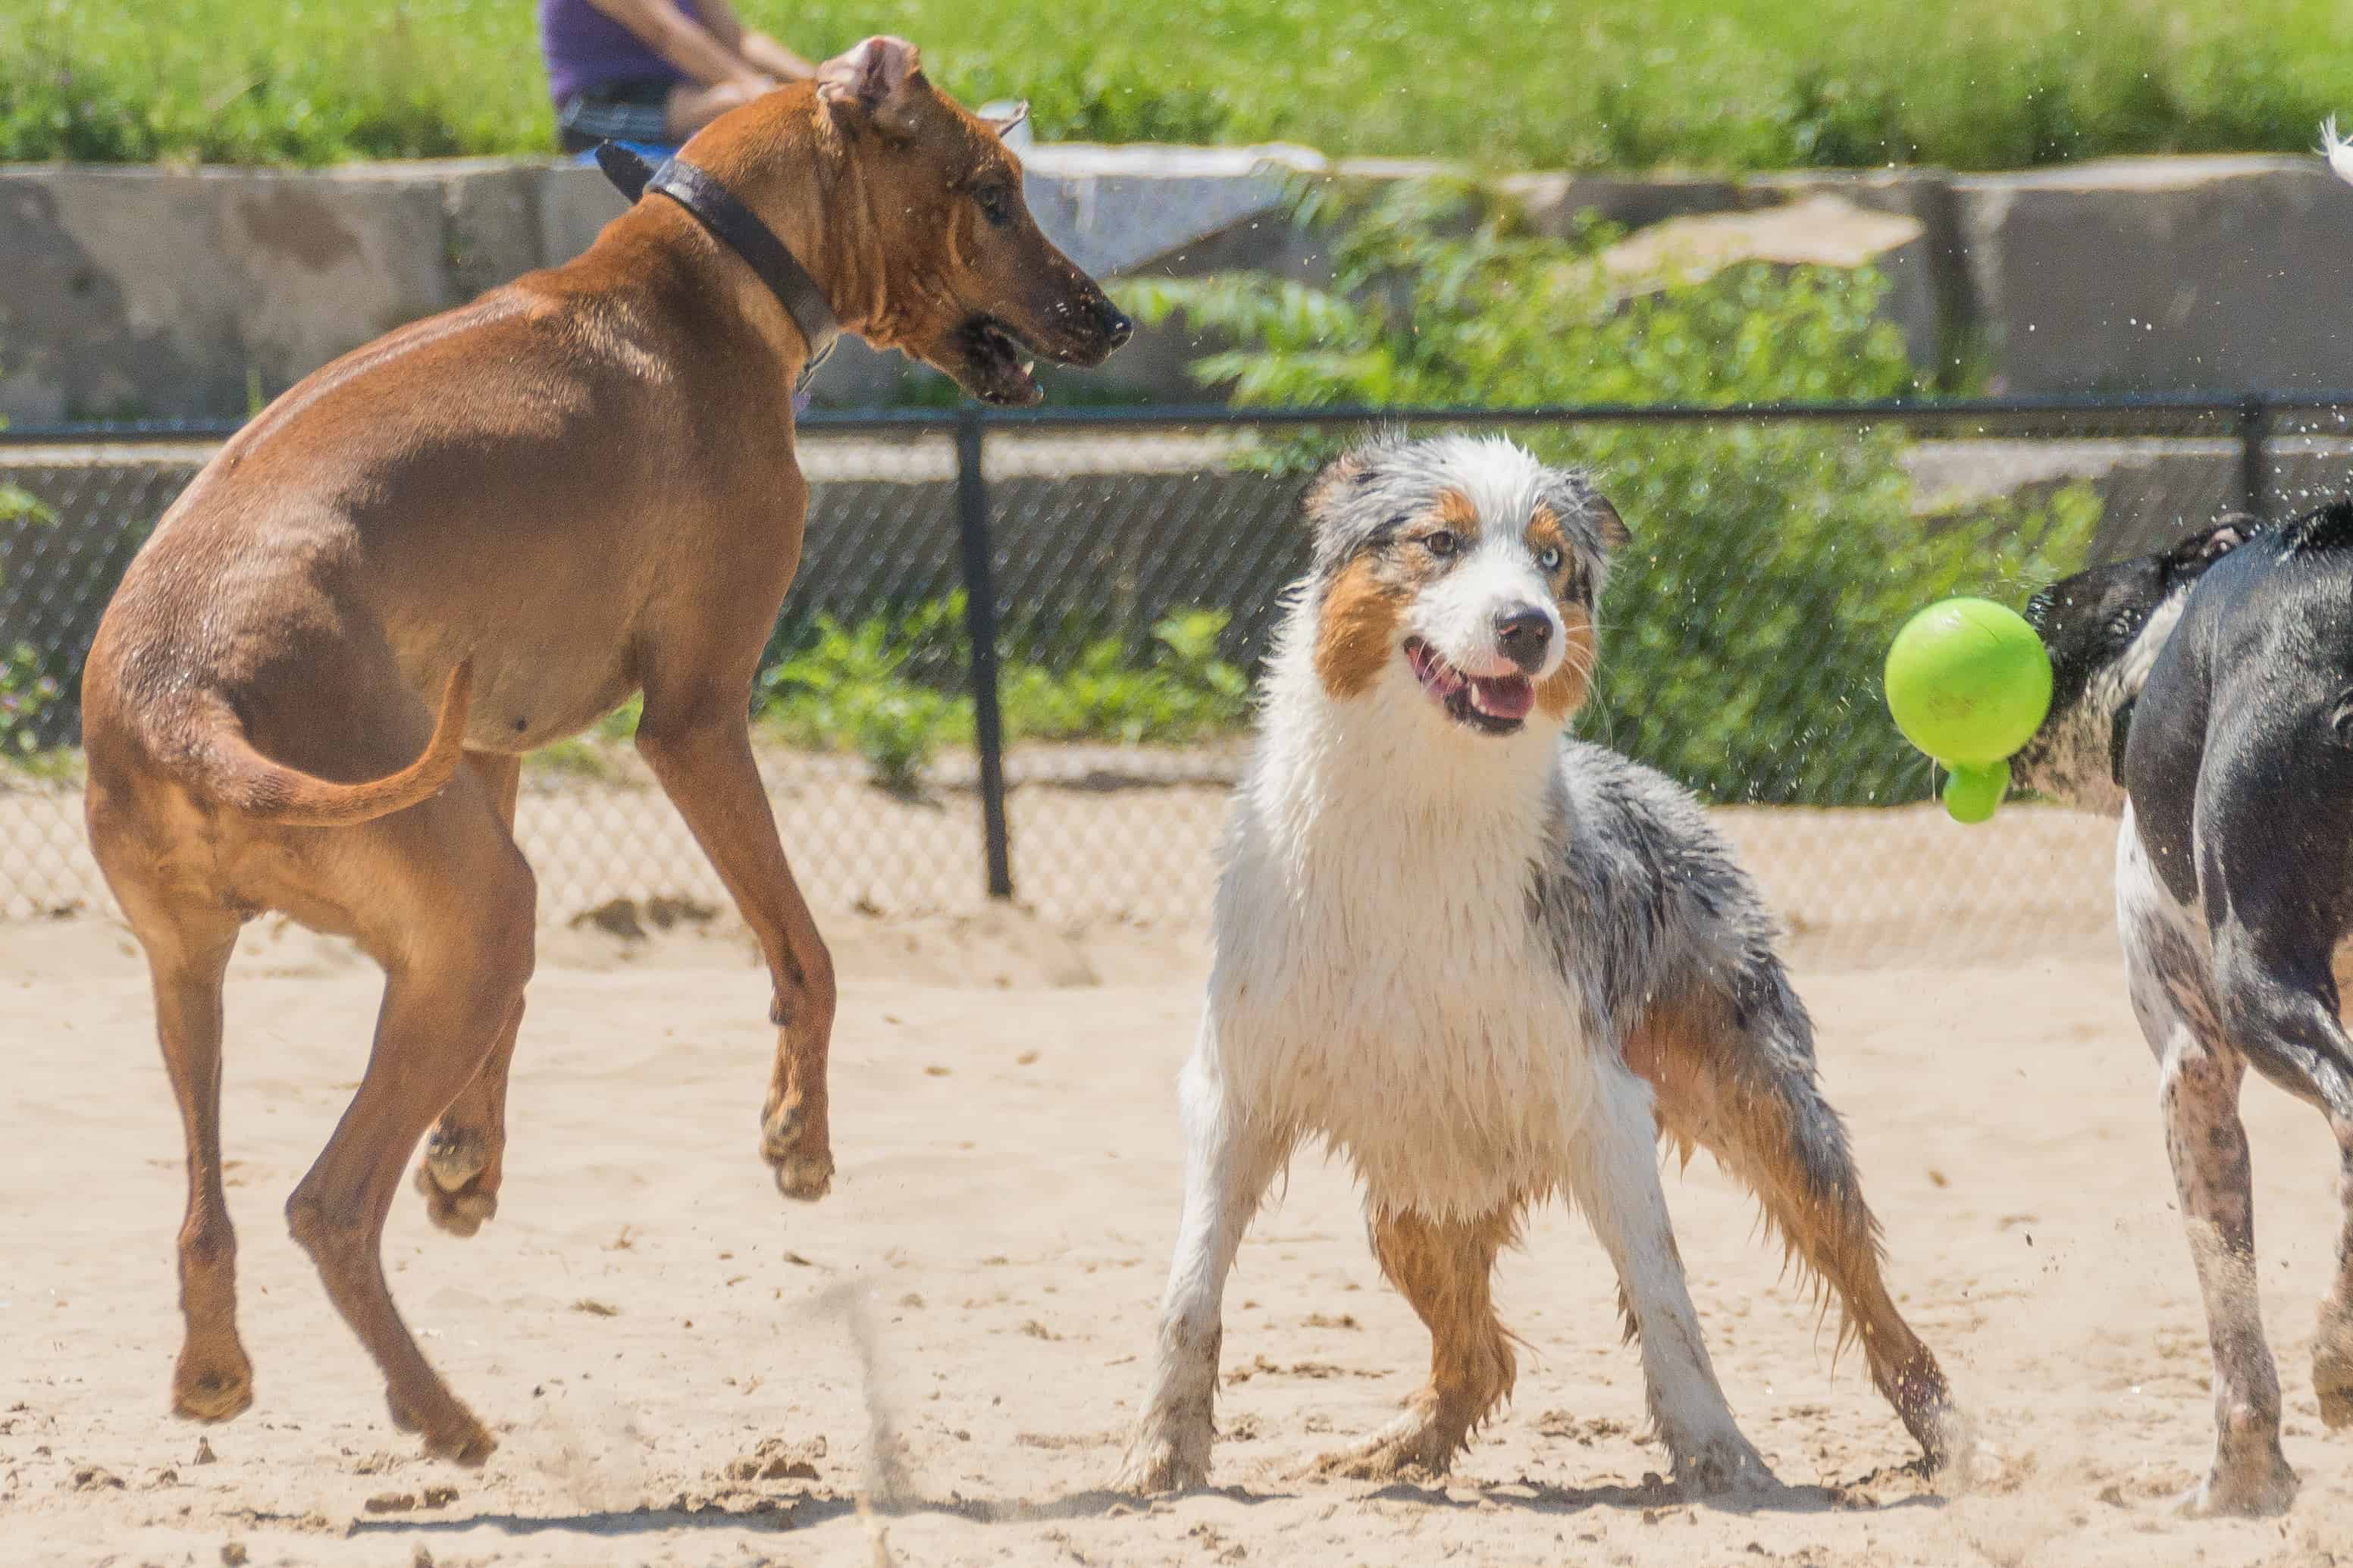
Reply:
x=579, y=487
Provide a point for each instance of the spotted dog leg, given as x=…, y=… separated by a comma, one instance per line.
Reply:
x=2211, y=1172
x=2168, y=965
x=2332, y=1347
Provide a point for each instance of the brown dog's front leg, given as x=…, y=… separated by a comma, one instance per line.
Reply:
x=706, y=767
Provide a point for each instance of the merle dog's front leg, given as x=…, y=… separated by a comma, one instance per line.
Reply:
x=1230, y=1160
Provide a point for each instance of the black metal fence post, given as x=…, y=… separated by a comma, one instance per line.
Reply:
x=2254, y=455
x=980, y=627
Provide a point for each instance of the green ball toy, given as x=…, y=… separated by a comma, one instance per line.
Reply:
x=1969, y=683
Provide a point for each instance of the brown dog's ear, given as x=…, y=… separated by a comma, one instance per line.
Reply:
x=873, y=77
x=1615, y=534
x=1001, y=123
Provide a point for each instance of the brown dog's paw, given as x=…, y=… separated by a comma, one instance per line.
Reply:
x=461, y=1210
x=216, y=1389
x=456, y=1155
x=796, y=1144
x=450, y=1433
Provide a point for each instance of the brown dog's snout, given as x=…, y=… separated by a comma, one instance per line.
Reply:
x=1113, y=322
x=1089, y=327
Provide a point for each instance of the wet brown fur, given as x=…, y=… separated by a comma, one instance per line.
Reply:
x=1356, y=632
x=1445, y=1269
x=1713, y=1093
x=1454, y=510
x=579, y=487
x=1564, y=691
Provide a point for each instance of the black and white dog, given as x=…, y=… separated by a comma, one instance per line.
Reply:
x=2205, y=695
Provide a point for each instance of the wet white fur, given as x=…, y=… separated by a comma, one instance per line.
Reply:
x=2073, y=758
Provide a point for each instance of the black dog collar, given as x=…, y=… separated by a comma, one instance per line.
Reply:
x=736, y=227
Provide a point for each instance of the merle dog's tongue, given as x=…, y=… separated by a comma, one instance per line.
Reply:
x=1502, y=696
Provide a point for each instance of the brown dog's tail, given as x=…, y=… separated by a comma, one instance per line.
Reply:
x=230, y=770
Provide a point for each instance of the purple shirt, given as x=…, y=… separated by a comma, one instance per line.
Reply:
x=584, y=48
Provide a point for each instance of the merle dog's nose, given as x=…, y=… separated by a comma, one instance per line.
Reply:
x=1113, y=322
x=1524, y=635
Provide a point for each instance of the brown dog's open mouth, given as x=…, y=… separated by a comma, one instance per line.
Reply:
x=998, y=368
x=1496, y=704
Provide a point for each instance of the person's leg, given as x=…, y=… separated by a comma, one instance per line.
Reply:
x=636, y=112
x=689, y=107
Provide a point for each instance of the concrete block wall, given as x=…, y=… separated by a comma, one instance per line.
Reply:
x=151, y=292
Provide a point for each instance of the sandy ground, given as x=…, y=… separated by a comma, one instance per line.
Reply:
x=957, y=1334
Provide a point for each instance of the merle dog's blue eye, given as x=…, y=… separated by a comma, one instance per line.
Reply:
x=1550, y=558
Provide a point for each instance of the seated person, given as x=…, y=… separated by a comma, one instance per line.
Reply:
x=653, y=72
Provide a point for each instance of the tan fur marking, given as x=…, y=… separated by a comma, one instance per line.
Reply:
x=1444, y=1269
x=1455, y=511
x=1544, y=533
x=1357, y=631
x=1718, y=1089
x=1563, y=691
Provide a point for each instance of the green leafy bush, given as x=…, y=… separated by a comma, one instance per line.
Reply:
x=27, y=692
x=892, y=689
x=1186, y=693
x=1743, y=630
x=859, y=685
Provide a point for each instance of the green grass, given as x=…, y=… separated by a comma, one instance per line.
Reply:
x=1732, y=84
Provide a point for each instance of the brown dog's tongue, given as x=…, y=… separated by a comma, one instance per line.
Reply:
x=1502, y=696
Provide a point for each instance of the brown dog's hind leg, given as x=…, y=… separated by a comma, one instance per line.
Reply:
x=1735, y=1076
x=465, y=1159
x=1445, y=1269
x=701, y=753
x=443, y=900
x=187, y=956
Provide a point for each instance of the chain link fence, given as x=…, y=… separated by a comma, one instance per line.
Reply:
x=1016, y=659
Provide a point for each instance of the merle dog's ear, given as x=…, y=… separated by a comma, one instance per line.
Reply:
x=1332, y=484
x=2209, y=545
x=1615, y=534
